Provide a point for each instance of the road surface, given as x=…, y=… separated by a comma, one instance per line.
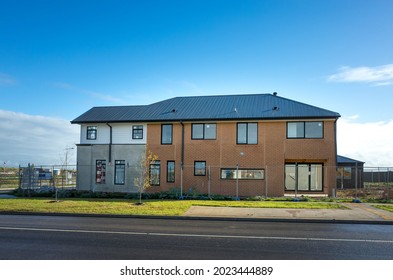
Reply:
x=28, y=237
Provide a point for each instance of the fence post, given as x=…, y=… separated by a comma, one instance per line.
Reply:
x=266, y=181
x=29, y=174
x=296, y=176
x=237, y=181
x=181, y=180
x=209, y=183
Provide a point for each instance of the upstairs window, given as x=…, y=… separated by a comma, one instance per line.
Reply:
x=247, y=133
x=202, y=131
x=305, y=130
x=137, y=132
x=166, y=134
x=91, y=133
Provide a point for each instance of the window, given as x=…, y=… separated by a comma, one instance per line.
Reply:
x=204, y=131
x=303, y=176
x=120, y=173
x=166, y=134
x=242, y=174
x=314, y=130
x=344, y=173
x=137, y=132
x=247, y=133
x=200, y=168
x=154, y=173
x=305, y=130
x=100, y=171
x=170, y=171
x=91, y=133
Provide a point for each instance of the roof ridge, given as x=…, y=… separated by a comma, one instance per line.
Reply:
x=222, y=95
x=119, y=106
x=305, y=104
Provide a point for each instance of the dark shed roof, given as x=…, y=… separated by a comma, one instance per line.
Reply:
x=201, y=108
x=346, y=160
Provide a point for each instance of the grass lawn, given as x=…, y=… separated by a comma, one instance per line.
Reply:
x=150, y=207
x=385, y=207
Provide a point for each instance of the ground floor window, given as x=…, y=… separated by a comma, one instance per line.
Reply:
x=120, y=172
x=200, y=168
x=170, y=171
x=344, y=173
x=242, y=174
x=154, y=173
x=304, y=177
x=100, y=171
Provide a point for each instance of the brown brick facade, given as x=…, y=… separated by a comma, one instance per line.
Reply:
x=270, y=154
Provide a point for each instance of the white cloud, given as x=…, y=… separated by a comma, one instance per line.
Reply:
x=6, y=80
x=94, y=94
x=370, y=142
x=35, y=139
x=379, y=75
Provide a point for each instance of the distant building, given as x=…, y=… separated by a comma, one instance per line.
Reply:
x=350, y=173
x=245, y=145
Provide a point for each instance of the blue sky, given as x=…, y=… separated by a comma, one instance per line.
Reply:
x=60, y=58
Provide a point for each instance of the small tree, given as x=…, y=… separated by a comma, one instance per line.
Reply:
x=143, y=181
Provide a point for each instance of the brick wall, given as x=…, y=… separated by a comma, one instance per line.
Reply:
x=271, y=153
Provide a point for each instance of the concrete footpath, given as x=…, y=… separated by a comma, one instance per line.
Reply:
x=361, y=212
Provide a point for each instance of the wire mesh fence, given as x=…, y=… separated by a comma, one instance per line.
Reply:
x=201, y=179
x=33, y=177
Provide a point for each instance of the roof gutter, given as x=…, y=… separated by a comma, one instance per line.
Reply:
x=335, y=150
x=182, y=159
x=110, y=142
x=209, y=119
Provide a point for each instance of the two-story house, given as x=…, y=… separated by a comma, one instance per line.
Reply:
x=238, y=145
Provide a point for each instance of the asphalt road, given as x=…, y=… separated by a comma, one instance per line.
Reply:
x=102, y=238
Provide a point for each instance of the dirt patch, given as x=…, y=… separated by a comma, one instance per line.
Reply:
x=382, y=192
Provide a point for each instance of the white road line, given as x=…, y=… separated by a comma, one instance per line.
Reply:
x=198, y=235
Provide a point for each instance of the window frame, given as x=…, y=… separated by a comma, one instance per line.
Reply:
x=121, y=165
x=344, y=172
x=155, y=165
x=304, y=136
x=101, y=171
x=247, y=136
x=199, y=168
x=203, y=131
x=91, y=130
x=137, y=129
x=247, y=170
x=310, y=187
x=162, y=134
x=170, y=173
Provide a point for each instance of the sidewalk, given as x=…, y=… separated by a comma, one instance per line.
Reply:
x=355, y=213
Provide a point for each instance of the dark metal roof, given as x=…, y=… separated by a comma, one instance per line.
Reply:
x=346, y=160
x=203, y=108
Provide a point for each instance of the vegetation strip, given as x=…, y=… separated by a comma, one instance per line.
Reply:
x=384, y=207
x=149, y=207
